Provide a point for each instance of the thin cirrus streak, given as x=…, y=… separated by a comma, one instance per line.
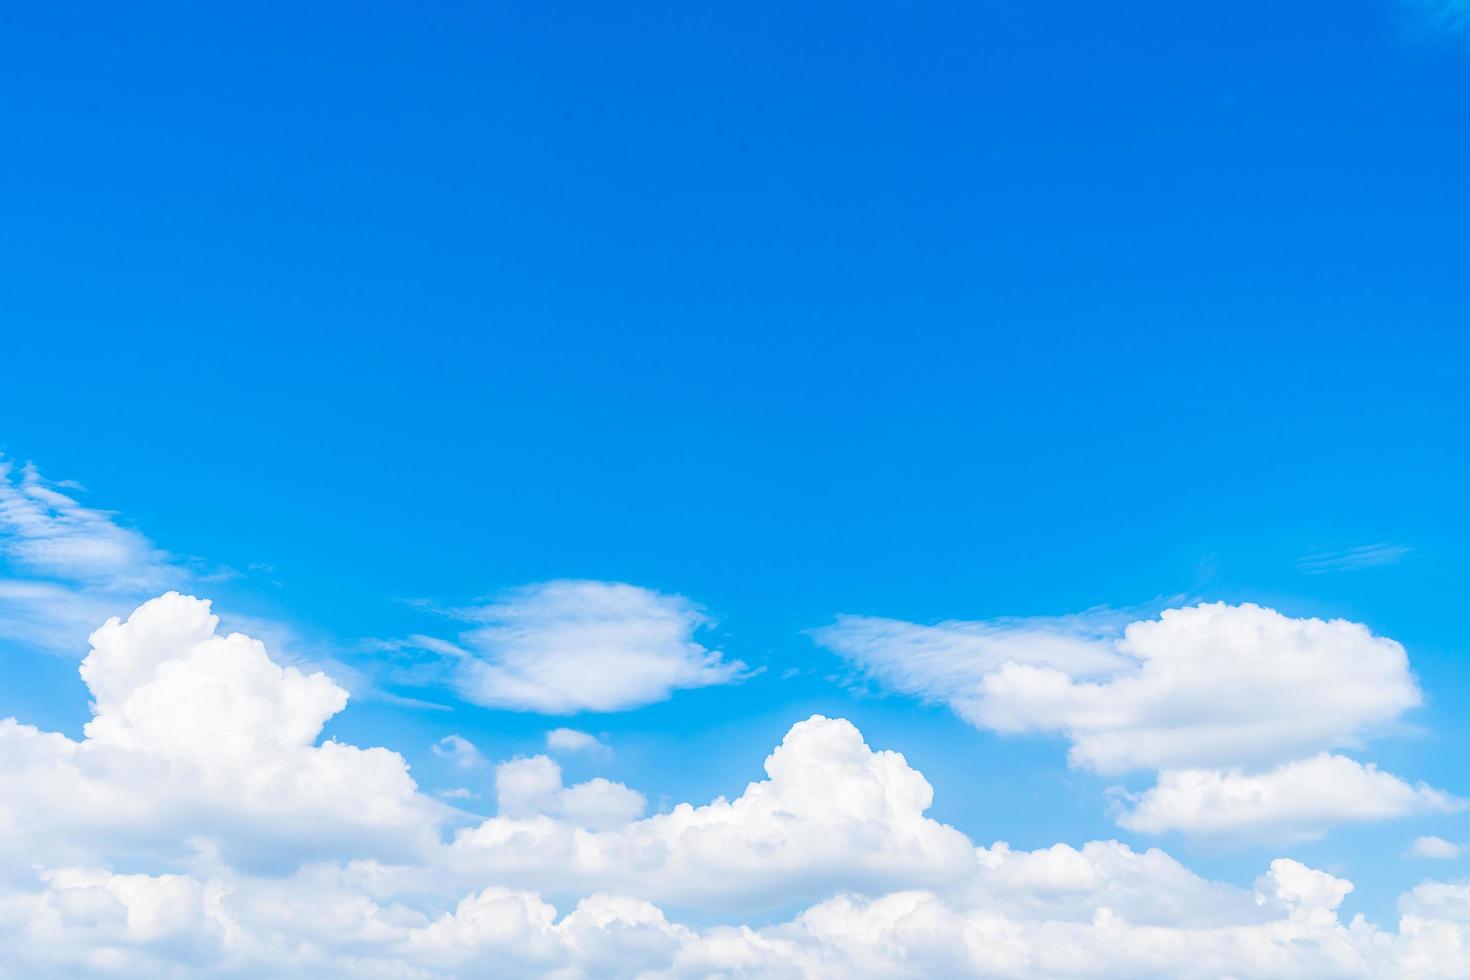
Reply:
x=1353, y=559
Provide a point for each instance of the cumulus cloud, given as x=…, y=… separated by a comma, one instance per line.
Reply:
x=128, y=854
x=568, y=646
x=1206, y=685
x=194, y=732
x=832, y=814
x=1298, y=800
x=1211, y=686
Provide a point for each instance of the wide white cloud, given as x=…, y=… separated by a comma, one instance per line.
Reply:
x=1298, y=800
x=833, y=814
x=136, y=852
x=1206, y=685
x=343, y=923
x=567, y=646
x=1215, y=697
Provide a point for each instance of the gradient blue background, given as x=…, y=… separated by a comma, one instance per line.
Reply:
x=925, y=310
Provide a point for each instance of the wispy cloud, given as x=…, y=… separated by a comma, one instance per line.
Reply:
x=461, y=750
x=65, y=568
x=1352, y=559
x=1444, y=16
x=46, y=533
x=567, y=646
x=568, y=740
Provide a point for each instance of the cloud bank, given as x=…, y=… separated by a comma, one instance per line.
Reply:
x=201, y=828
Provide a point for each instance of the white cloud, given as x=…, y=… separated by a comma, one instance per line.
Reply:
x=832, y=814
x=1436, y=848
x=571, y=740
x=604, y=936
x=567, y=646
x=461, y=750
x=197, y=733
x=133, y=853
x=528, y=788
x=46, y=532
x=1207, y=687
x=1298, y=800
x=950, y=661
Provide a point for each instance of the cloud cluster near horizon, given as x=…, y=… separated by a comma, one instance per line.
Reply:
x=1238, y=710
x=252, y=847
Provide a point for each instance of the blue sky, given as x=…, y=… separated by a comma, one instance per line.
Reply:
x=365, y=322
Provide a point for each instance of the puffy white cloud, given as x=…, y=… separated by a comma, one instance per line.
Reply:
x=567, y=646
x=832, y=814
x=1293, y=932
x=1197, y=692
x=44, y=531
x=1436, y=848
x=1298, y=800
x=1213, y=685
x=344, y=923
x=604, y=936
x=197, y=733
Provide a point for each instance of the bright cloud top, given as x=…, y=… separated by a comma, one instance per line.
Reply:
x=568, y=646
x=1205, y=687
x=194, y=733
x=203, y=756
